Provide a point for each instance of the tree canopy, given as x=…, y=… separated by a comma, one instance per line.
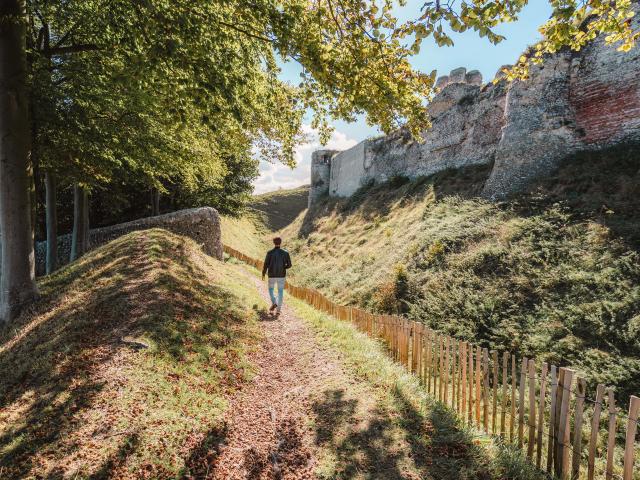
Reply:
x=189, y=73
x=185, y=95
x=573, y=24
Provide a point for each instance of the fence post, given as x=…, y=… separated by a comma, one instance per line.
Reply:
x=543, y=391
x=532, y=409
x=564, y=448
x=611, y=439
x=523, y=382
x=581, y=386
x=423, y=354
x=595, y=428
x=429, y=359
x=478, y=388
x=552, y=419
x=503, y=415
x=494, y=421
x=485, y=389
x=459, y=376
x=514, y=377
x=463, y=379
x=629, y=446
x=440, y=365
x=454, y=376
x=471, y=376
x=447, y=365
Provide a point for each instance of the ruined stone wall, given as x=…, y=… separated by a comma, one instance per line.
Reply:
x=199, y=224
x=605, y=94
x=466, y=123
x=573, y=102
x=348, y=170
x=320, y=174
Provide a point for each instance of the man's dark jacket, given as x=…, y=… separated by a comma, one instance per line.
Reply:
x=276, y=263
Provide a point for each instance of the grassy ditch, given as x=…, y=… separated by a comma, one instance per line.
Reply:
x=552, y=274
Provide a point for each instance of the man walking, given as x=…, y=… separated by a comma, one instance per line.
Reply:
x=276, y=264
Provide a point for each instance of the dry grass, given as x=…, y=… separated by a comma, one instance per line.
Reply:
x=246, y=234
x=251, y=234
x=278, y=209
x=122, y=368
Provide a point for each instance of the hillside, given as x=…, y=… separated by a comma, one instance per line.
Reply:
x=267, y=213
x=554, y=273
x=122, y=368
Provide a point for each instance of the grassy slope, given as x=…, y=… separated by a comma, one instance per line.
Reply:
x=246, y=234
x=553, y=274
x=266, y=213
x=441, y=447
x=121, y=369
x=278, y=209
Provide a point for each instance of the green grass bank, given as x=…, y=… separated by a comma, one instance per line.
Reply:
x=122, y=368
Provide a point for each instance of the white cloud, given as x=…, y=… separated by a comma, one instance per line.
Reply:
x=274, y=176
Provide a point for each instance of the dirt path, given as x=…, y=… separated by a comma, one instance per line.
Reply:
x=269, y=432
x=306, y=415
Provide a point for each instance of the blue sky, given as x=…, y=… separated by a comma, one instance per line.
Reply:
x=469, y=51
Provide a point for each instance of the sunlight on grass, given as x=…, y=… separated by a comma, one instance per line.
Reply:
x=550, y=274
x=128, y=357
x=443, y=448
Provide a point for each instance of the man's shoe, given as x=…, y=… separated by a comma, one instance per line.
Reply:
x=273, y=307
x=278, y=311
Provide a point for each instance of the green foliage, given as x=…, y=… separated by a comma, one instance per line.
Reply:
x=573, y=24
x=185, y=92
x=229, y=196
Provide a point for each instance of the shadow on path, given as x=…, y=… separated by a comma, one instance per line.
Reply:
x=395, y=443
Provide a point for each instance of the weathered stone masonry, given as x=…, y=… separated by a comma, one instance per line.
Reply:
x=199, y=224
x=575, y=101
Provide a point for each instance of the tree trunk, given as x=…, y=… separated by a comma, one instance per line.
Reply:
x=80, y=235
x=17, y=286
x=155, y=202
x=51, y=192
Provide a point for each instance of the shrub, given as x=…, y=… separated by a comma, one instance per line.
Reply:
x=391, y=296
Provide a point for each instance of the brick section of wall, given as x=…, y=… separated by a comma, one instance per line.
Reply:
x=602, y=111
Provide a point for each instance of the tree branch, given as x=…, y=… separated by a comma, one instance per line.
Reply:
x=335, y=20
x=55, y=51
x=250, y=34
x=64, y=37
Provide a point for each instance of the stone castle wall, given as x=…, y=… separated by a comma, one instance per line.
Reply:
x=574, y=101
x=320, y=173
x=199, y=224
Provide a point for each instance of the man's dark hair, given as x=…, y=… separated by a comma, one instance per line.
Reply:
x=277, y=241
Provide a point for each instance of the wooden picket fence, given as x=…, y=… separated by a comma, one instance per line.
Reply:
x=543, y=409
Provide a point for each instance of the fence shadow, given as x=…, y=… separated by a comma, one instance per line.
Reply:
x=433, y=443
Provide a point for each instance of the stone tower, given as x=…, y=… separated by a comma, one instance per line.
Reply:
x=320, y=174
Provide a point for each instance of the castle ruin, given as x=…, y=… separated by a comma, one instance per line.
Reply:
x=573, y=102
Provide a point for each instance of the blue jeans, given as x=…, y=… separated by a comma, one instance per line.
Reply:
x=272, y=284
